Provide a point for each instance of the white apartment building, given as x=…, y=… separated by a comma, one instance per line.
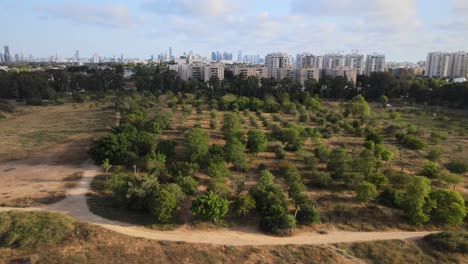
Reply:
x=286, y=72
x=356, y=62
x=213, y=70
x=275, y=61
x=305, y=60
x=351, y=75
x=438, y=64
x=319, y=62
x=305, y=74
x=375, y=63
x=333, y=61
x=458, y=65
x=258, y=71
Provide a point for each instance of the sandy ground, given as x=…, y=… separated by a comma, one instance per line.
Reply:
x=41, y=174
x=75, y=205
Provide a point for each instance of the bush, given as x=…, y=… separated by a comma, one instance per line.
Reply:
x=450, y=207
x=243, y=205
x=188, y=184
x=31, y=230
x=321, y=179
x=163, y=206
x=366, y=192
x=430, y=170
x=390, y=198
x=434, y=155
x=457, y=166
x=280, y=152
x=412, y=142
x=453, y=242
x=210, y=207
x=6, y=106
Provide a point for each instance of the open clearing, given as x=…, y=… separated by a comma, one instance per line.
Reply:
x=42, y=148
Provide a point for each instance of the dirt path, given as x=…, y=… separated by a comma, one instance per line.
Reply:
x=75, y=205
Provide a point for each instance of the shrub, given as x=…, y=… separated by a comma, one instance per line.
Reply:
x=280, y=152
x=33, y=230
x=430, y=170
x=453, y=242
x=321, y=179
x=366, y=192
x=449, y=208
x=6, y=106
x=210, y=207
x=434, y=155
x=188, y=184
x=412, y=142
x=163, y=206
x=390, y=198
x=243, y=205
x=458, y=166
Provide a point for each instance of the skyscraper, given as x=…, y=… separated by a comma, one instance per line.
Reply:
x=170, y=53
x=458, y=65
x=77, y=56
x=239, y=56
x=274, y=61
x=6, y=55
x=333, y=61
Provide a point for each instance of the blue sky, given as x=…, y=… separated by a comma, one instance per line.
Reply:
x=401, y=29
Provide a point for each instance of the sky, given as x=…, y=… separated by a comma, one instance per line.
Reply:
x=403, y=30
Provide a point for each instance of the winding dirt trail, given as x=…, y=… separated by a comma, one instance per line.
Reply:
x=75, y=205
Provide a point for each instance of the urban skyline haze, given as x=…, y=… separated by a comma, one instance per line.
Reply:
x=404, y=30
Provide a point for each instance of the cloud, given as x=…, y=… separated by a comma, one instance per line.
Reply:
x=194, y=8
x=460, y=6
x=111, y=15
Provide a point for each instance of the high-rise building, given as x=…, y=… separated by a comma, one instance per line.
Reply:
x=170, y=53
x=6, y=54
x=458, y=65
x=96, y=59
x=438, y=64
x=239, y=56
x=77, y=56
x=275, y=61
x=375, y=63
x=333, y=61
x=319, y=62
x=213, y=56
x=305, y=60
x=356, y=62
x=213, y=70
x=1, y=57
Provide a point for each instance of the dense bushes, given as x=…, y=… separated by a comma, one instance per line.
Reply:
x=30, y=230
x=210, y=207
x=453, y=242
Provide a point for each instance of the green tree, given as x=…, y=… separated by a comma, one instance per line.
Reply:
x=293, y=138
x=210, y=207
x=197, y=144
x=366, y=192
x=232, y=127
x=163, y=206
x=217, y=169
x=234, y=151
x=383, y=100
x=359, y=107
x=243, y=205
x=450, y=207
x=387, y=155
x=451, y=178
x=430, y=170
x=256, y=141
x=338, y=163
x=415, y=202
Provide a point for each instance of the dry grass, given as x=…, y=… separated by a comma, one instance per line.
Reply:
x=93, y=244
x=33, y=127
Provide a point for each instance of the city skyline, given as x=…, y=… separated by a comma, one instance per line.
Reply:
x=404, y=30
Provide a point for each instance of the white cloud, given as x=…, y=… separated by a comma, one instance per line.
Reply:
x=104, y=14
x=460, y=6
x=194, y=8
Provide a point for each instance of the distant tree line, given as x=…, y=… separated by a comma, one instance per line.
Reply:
x=157, y=79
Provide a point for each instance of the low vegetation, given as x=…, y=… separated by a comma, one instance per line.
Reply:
x=33, y=230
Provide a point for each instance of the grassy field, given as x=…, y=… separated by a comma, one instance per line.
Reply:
x=92, y=244
x=337, y=204
x=31, y=128
x=42, y=148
